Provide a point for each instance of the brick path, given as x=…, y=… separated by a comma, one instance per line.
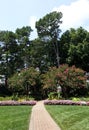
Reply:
x=40, y=119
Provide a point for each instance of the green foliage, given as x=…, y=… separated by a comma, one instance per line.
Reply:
x=15, y=97
x=48, y=79
x=78, y=55
x=13, y=50
x=52, y=95
x=9, y=50
x=74, y=46
x=25, y=81
x=48, y=29
x=39, y=55
x=5, y=98
x=49, y=25
x=76, y=99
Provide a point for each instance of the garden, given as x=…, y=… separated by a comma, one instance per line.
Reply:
x=65, y=92
x=64, y=82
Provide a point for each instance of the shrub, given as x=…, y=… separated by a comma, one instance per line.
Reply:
x=25, y=82
x=71, y=79
x=53, y=95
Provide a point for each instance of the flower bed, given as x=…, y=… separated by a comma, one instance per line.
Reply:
x=65, y=102
x=15, y=103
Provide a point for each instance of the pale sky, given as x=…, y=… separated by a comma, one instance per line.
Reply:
x=18, y=13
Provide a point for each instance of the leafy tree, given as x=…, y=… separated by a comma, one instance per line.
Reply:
x=79, y=55
x=40, y=55
x=71, y=79
x=26, y=82
x=48, y=30
x=74, y=55
x=72, y=48
x=13, y=51
x=23, y=40
x=85, y=56
x=9, y=50
x=78, y=35
x=65, y=41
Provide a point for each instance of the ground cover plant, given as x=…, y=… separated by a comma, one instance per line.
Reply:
x=14, y=117
x=70, y=117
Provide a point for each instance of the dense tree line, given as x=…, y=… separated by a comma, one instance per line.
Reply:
x=18, y=52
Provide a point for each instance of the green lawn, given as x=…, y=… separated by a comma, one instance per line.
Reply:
x=14, y=117
x=70, y=117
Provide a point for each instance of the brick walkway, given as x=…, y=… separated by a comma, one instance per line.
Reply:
x=40, y=119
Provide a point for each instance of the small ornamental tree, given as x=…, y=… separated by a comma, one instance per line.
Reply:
x=71, y=79
x=25, y=81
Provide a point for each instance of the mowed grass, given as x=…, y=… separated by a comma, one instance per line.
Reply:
x=14, y=117
x=70, y=117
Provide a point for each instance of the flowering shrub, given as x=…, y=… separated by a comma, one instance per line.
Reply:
x=65, y=102
x=71, y=79
x=15, y=103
